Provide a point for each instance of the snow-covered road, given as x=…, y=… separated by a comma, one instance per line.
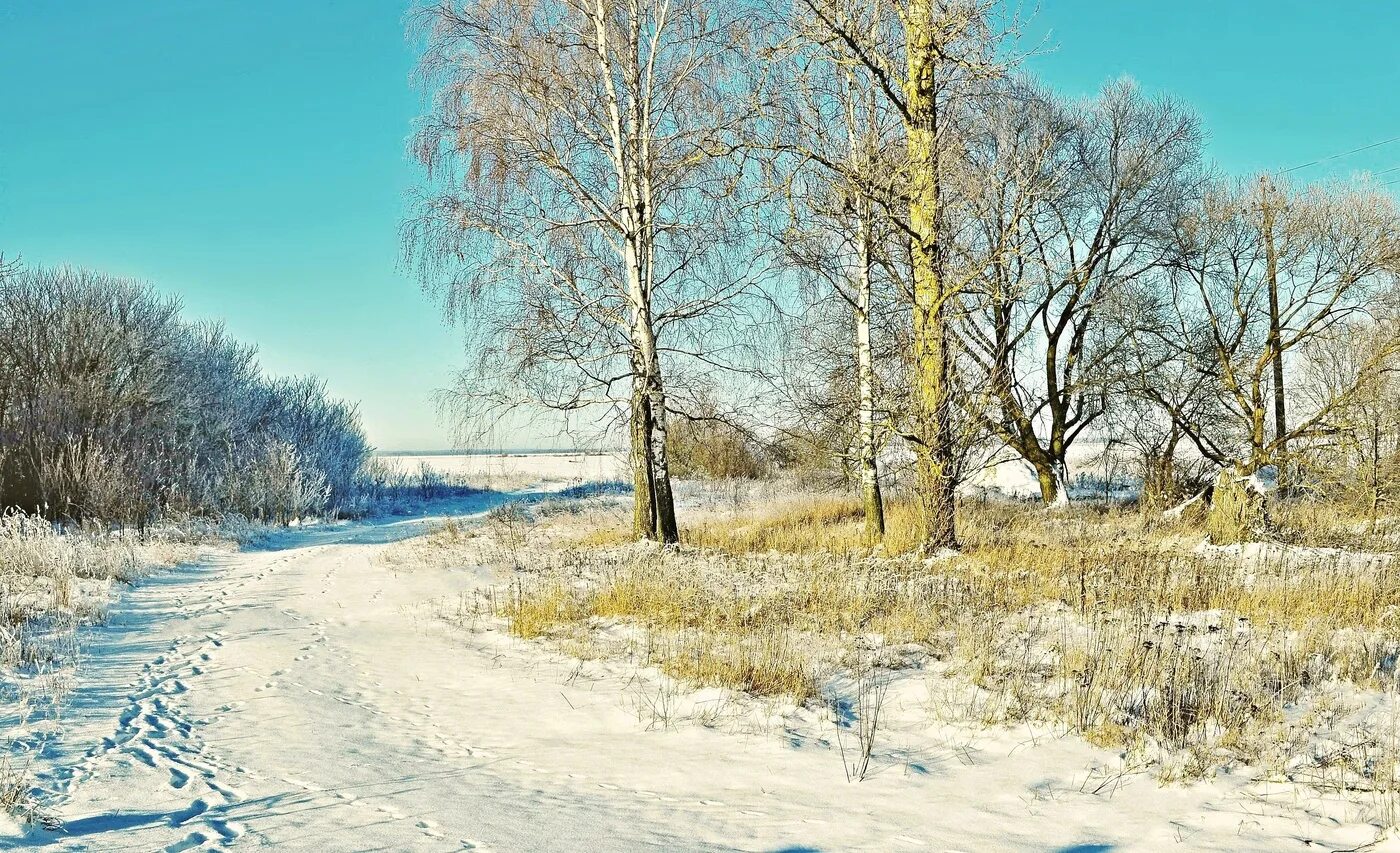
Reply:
x=302, y=697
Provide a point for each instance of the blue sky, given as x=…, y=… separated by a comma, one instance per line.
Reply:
x=248, y=155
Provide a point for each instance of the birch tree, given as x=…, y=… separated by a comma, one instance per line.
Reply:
x=920, y=56
x=838, y=150
x=577, y=153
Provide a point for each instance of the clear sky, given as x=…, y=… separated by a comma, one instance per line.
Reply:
x=248, y=155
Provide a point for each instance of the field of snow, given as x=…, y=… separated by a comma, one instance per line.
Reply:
x=305, y=696
x=517, y=467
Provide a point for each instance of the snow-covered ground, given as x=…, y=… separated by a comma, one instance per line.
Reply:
x=518, y=466
x=304, y=696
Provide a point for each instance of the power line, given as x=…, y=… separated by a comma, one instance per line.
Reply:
x=1343, y=154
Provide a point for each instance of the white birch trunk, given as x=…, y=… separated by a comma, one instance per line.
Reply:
x=865, y=370
x=630, y=138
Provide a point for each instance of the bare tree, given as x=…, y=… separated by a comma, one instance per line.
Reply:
x=1358, y=459
x=1070, y=206
x=1335, y=250
x=838, y=143
x=919, y=56
x=578, y=152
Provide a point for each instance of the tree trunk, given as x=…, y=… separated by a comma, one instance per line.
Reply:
x=665, y=505
x=1275, y=341
x=869, y=465
x=932, y=411
x=643, y=505
x=1050, y=475
x=649, y=411
x=1375, y=473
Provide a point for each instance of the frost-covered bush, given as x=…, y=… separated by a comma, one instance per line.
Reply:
x=384, y=487
x=113, y=407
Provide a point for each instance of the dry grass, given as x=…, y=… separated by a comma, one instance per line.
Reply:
x=824, y=523
x=51, y=583
x=762, y=663
x=814, y=525
x=1113, y=624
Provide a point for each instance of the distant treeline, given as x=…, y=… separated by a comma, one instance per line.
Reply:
x=115, y=408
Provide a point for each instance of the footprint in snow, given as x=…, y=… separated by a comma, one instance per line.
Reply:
x=429, y=829
x=190, y=842
x=227, y=829
x=184, y=816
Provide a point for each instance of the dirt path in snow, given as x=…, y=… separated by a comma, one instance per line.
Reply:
x=302, y=697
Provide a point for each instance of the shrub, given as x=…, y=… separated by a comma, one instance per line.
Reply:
x=713, y=449
x=115, y=408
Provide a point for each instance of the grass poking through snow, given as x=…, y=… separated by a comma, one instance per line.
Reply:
x=1117, y=626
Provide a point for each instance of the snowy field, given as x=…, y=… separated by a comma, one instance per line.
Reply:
x=308, y=695
x=517, y=469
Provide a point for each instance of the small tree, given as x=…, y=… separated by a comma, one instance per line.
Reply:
x=1358, y=460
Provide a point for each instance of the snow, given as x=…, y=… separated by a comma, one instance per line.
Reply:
x=1008, y=476
x=523, y=466
x=305, y=696
x=1282, y=555
x=1180, y=509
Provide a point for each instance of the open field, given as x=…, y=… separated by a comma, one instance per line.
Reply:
x=515, y=470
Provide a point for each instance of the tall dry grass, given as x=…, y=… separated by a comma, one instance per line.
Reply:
x=1115, y=625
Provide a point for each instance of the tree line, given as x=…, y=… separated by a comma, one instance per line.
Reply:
x=861, y=224
x=115, y=409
